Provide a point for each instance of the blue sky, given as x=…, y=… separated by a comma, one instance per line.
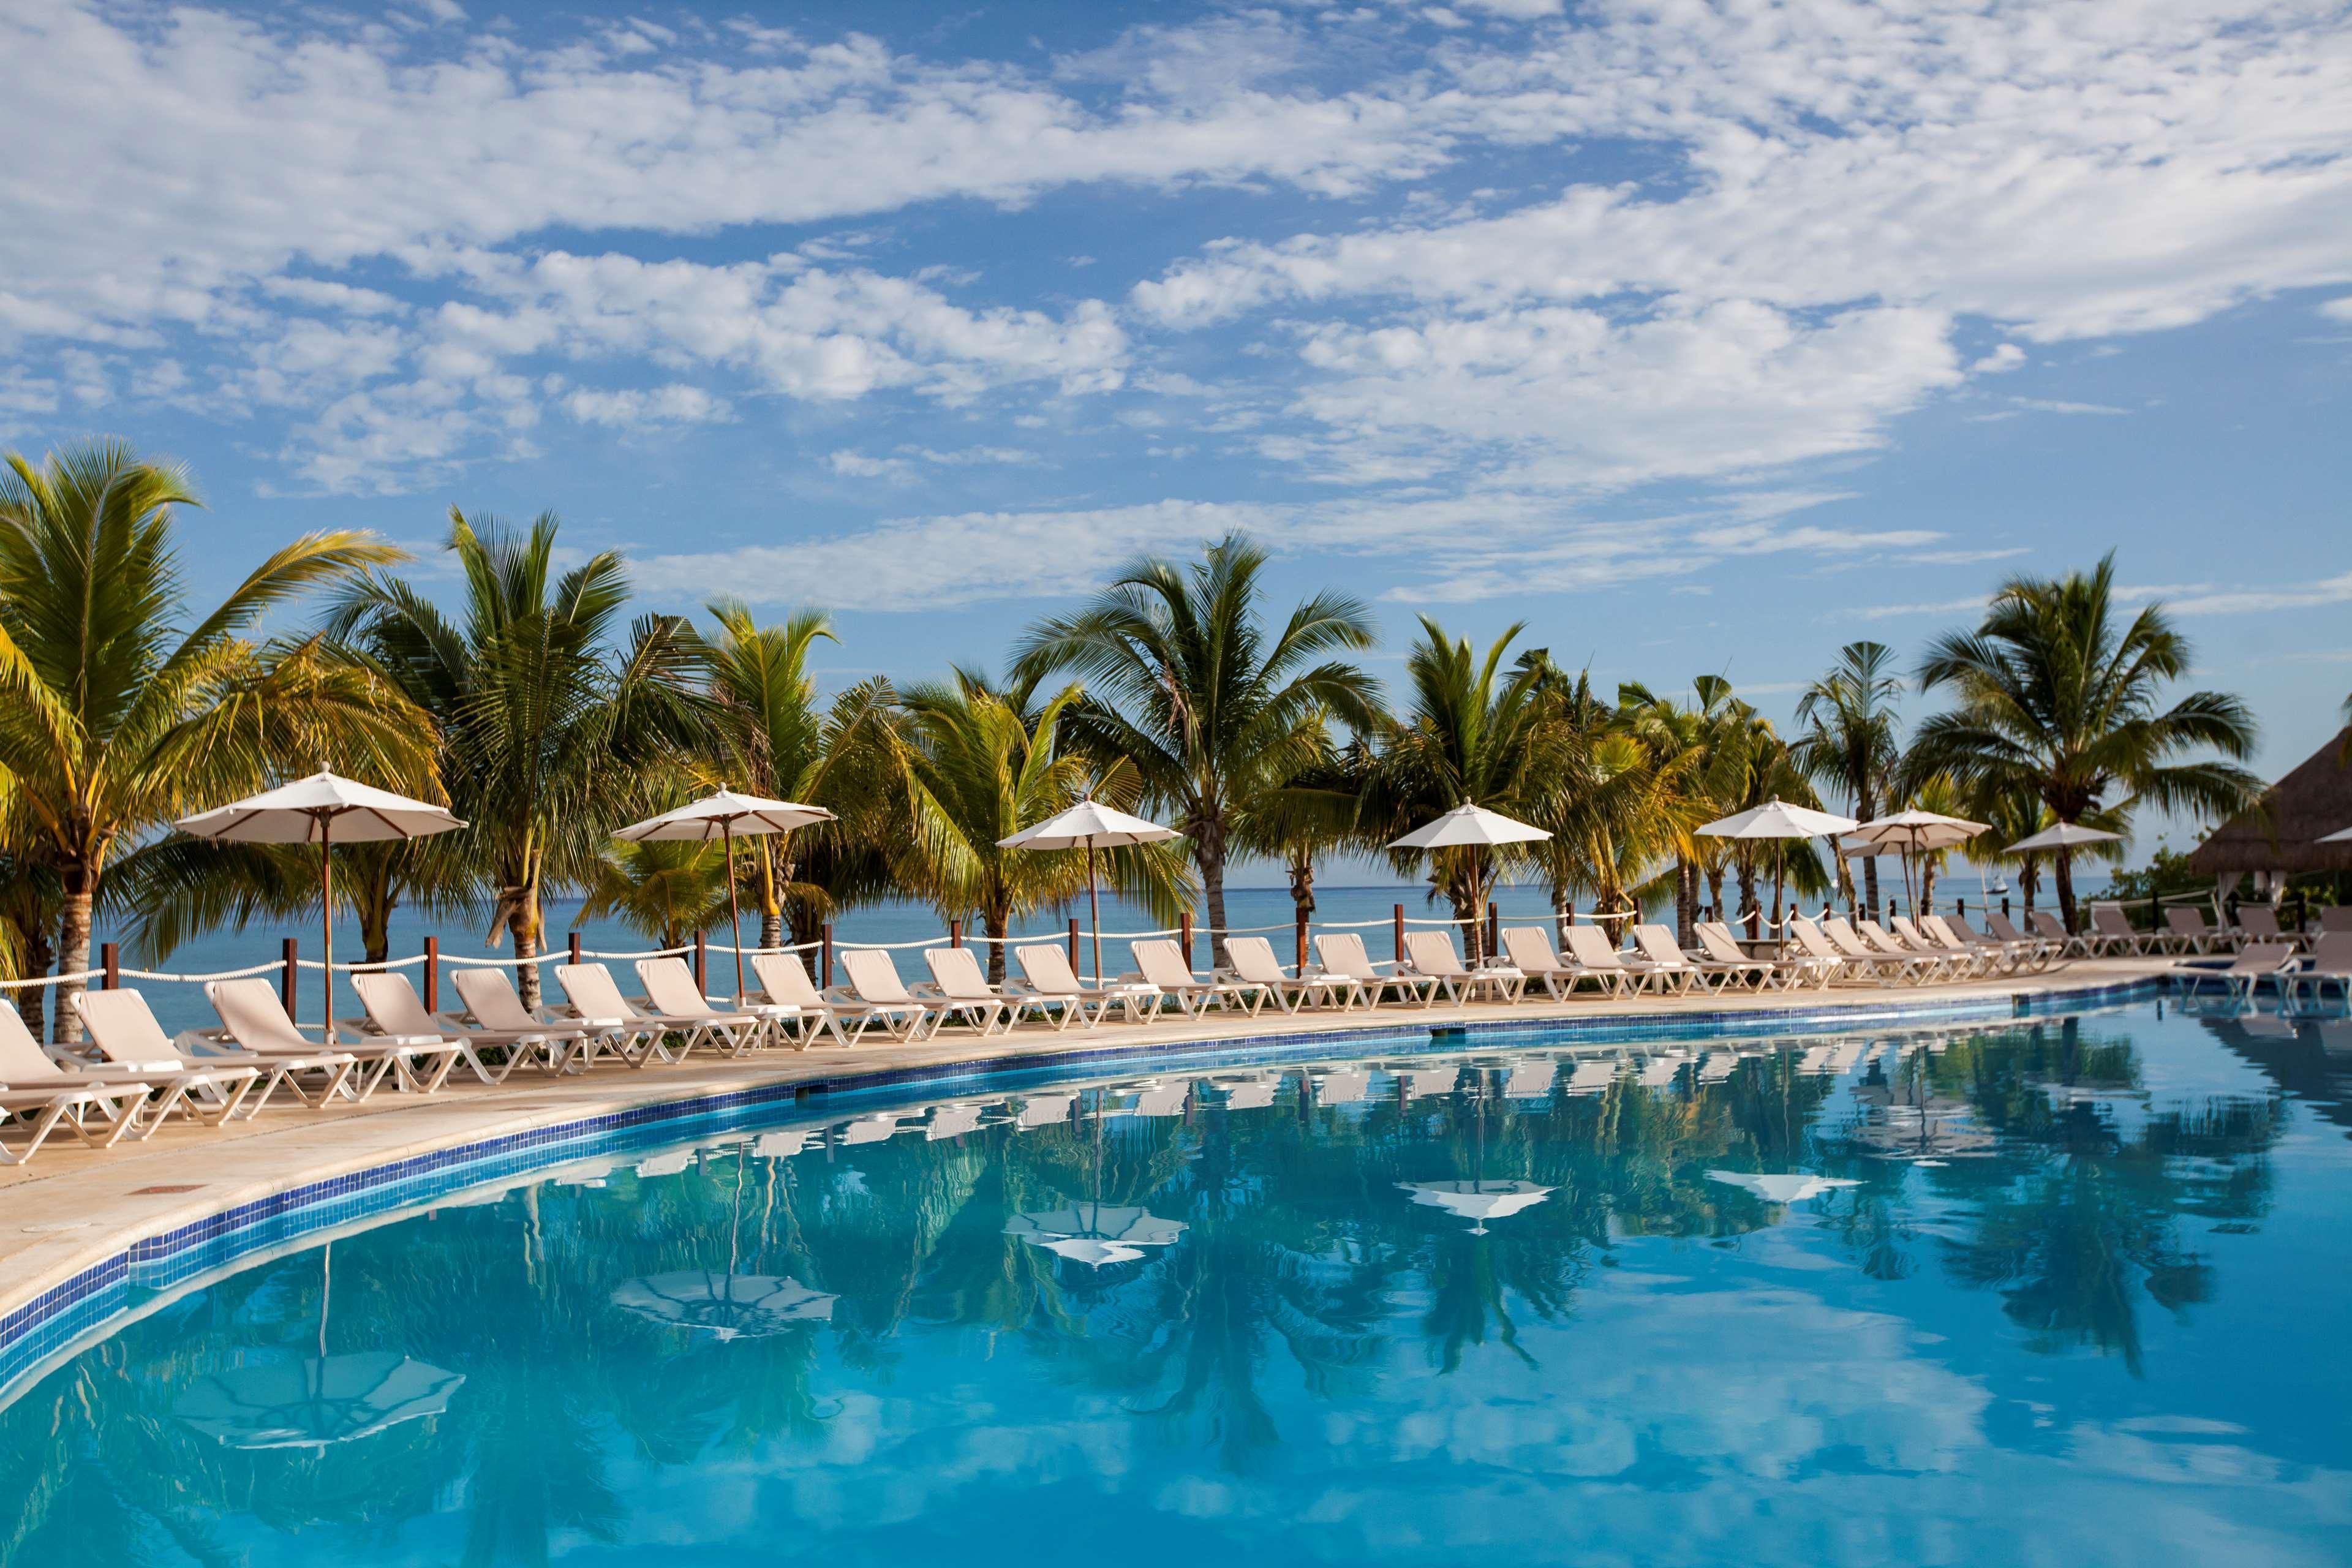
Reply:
x=1700, y=337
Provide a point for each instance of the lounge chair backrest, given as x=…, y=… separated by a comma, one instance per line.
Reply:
x=1162, y=963
x=2047, y=925
x=2262, y=958
x=785, y=979
x=670, y=987
x=1590, y=947
x=1658, y=945
x=254, y=1017
x=2004, y=929
x=22, y=1060
x=2336, y=917
x=1253, y=959
x=393, y=1006
x=2259, y=920
x=1876, y=938
x=123, y=1027
x=491, y=998
x=872, y=977
x=1432, y=953
x=1911, y=932
x=1530, y=948
x=2331, y=955
x=2109, y=920
x=1047, y=965
x=1715, y=940
x=1342, y=953
x=1942, y=931
x=956, y=972
x=1812, y=939
x=593, y=991
x=1848, y=941
x=2185, y=923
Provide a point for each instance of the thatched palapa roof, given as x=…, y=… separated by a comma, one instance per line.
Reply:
x=2277, y=835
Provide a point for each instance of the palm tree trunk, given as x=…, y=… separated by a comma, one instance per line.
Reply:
x=2066, y=888
x=1714, y=888
x=1563, y=913
x=1747, y=888
x=995, y=924
x=772, y=909
x=34, y=941
x=1927, y=888
x=73, y=955
x=524, y=923
x=1209, y=855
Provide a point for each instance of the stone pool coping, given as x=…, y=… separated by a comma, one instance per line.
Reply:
x=82, y=1228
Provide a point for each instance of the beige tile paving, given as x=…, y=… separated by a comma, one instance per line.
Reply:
x=73, y=1207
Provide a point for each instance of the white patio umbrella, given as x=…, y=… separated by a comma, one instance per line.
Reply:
x=1090, y=826
x=1777, y=820
x=1094, y=1233
x=726, y=1306
x=1473, y=828
x=1478, y=1202
x=2341, y=836
x=1910, y=833
x=1789, y=1187
x=2065, y=836
x=320, y=810
x=722, y=816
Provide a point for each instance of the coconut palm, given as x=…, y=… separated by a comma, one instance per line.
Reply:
x=981, y=765
x=2056, y=693
x=1215, y=709
x=1706, y=746
x=663, y=889
x=1318, y=813
x=122, y=711
x=553, y=728
x=1479, y=732
x=1851, y=738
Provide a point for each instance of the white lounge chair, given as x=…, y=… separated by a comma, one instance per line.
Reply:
x=1163, y=964
x=597, y=1003
x=678, y=1003
x=1786, y=972
x=956, y=978
x=252, y=1016
x=2111, y=932
x=97, y=1108
x=784, y=983
x=2026, y=951
x=2188, y=931
x=1853, y=961
x=2047, y=926
x=1342, y=953
x=1593, y=951
x=124, y=1035
x=1668, y=960
x=2252, y=966
x=2330, y=962
x=2260, y=922
x=396, y=1013
x=1957, y=933
x=206, y=1096
x=496, y=1007
x=1046, y=969
x=1433, y=955
x=1963, y=960
x=1935, y=965
x=874, y=984
x=1853, y=939
x=1252, y=961
x=1530, y=951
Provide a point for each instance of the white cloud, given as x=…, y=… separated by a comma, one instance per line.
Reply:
x=2201, y=601
x=634, y=408
x=2338, y=310
x=2060, y=406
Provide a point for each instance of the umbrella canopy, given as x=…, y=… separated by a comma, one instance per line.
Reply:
x=1478, y=1202
x=318, y=810
x=1778, y=819
x=1090, y=826
x=1790, y=1187
x=724, y=817
x=1912, y=830
x=724, y=1305
x=318, y=1400
x=2065, y=836
x=1095, y=1234
x=1465, y=825
x=2342, y=835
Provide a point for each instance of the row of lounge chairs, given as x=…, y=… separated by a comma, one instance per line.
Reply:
x=2187, y=931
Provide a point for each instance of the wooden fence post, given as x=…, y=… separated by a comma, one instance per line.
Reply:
x=701, y=963
x=955, y=933
x=1074, y=945
x=1494, y=933
x=109, y=959
x=572, y=945
x=286, y=987
x=1399, y=923
x=827, y=933
x=1184, y=929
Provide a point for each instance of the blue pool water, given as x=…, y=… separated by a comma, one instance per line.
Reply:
x=2075, y=1293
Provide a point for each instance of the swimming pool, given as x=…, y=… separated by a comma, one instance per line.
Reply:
x=2066, y=1290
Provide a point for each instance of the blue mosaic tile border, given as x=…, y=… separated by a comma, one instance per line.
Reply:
x=40, y=1328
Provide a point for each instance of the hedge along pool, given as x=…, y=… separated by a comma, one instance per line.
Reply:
x=2065, y=1287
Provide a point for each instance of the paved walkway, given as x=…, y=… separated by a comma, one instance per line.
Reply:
x=73, y=1207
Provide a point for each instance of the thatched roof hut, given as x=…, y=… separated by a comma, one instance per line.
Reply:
x=2277, y=835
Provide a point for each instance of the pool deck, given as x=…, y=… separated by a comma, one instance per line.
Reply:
x=72, y=1208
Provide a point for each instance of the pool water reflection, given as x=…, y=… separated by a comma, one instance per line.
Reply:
x=2067, y=1290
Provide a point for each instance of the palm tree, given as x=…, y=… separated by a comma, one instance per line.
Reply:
x=981, y=765
x=1316, y=814
x=120, y=713
x=1479, y=734
x=1186, y=681
x=1709, y=746
x=1852, y=738
x=2055, y=696
x=553, y=731
x=665, y=889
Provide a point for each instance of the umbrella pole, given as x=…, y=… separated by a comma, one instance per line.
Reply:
x=327, y=921
x=1094, y=911
x=734, y=909
x=1779, y=906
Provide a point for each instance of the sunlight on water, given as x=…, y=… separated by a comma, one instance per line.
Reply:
x=2067, y=1291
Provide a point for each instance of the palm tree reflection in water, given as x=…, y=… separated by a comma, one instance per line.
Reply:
x=1272, y=1267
